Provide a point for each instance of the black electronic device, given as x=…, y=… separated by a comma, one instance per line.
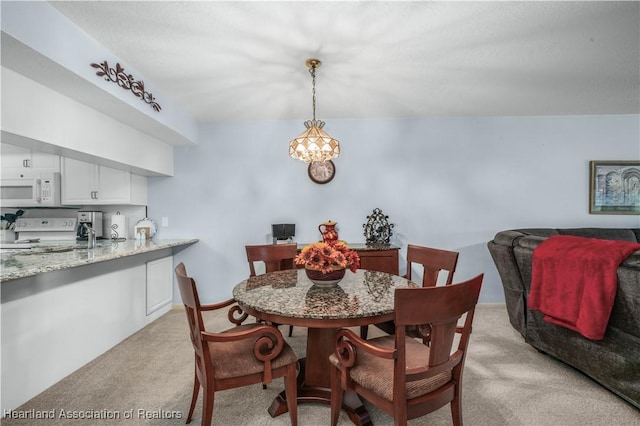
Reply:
x=283, y=232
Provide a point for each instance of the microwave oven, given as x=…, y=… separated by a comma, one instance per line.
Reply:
x=29, y=189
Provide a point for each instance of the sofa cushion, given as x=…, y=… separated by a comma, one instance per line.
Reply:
x=625, y=234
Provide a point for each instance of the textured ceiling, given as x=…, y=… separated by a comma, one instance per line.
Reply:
x=245, y=60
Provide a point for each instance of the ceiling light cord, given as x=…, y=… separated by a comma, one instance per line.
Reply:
x=312, y=71
x=311, y=123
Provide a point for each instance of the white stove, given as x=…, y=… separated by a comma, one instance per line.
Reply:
x=45, y=229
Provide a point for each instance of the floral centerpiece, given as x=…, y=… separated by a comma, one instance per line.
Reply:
x=327, y=261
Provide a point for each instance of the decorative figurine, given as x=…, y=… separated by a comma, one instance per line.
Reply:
x=377, y=230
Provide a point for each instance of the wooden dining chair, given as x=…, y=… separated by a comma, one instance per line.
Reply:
x=433, y=261
x=399, y=374
x=240, y=356
x=275, y=257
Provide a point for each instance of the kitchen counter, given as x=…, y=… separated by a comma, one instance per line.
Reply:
x=77, y=303
x=58, y=255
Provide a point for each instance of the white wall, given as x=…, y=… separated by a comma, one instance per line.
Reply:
x=444, y=182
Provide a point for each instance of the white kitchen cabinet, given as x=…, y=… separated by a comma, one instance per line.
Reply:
x=92, y=184
x=17, y=158
x=159, y=283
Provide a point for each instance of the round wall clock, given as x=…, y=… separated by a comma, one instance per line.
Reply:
x=322, y=171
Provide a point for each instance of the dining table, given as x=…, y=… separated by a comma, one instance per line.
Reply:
x=288, y=297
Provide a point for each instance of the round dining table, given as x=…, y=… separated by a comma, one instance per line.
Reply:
x=288, y=297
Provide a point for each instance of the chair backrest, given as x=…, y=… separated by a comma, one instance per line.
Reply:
x=276, y=257
x=433, y=260
x=191, y=301
x=441, y=307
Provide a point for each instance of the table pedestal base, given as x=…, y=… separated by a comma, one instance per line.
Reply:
x=351, y=402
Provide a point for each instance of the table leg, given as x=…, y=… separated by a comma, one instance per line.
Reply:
x=314, y=381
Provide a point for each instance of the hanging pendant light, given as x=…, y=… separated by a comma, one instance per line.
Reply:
x=314, y=144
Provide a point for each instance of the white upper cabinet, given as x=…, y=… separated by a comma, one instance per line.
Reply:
x=16, y=158
x=91, y=184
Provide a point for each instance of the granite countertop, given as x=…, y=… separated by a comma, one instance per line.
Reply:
x=56, y=255
x=291, y=294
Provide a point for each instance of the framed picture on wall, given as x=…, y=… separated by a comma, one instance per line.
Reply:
x=614, y=187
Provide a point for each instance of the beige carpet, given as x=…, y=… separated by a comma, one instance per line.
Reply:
x=149, y=375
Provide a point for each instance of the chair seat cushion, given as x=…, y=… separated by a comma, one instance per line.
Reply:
x=236, y=359
x=376, y=374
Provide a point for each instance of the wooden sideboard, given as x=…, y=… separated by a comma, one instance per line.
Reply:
x=375, y=257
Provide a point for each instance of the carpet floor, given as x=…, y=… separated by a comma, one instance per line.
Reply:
x=147, y=380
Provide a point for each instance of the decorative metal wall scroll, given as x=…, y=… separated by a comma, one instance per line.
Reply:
x=126, y=81
x=377, y=230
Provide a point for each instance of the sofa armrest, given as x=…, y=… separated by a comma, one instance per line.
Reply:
x=530, y=242
x=507, y=238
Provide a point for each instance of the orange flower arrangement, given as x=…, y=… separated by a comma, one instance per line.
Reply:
x=326, y=257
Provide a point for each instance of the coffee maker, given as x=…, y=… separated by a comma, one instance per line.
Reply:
x=93, y=220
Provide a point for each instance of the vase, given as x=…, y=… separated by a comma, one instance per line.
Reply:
x=330, y=279
x=328, y=231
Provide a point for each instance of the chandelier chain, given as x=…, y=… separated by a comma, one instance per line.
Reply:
x=312, y=71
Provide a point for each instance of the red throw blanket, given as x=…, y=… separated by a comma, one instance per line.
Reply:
x=574, y=281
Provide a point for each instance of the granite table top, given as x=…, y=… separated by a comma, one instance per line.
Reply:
x=291, y=294
x=56, y=255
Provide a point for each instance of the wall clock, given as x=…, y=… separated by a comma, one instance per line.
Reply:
x=322, y=171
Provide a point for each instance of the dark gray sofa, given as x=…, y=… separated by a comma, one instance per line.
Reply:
x=614, y=361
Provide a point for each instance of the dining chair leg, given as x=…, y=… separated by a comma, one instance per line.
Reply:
x=290, y=330
x=194, y=395
x=337, y=393
x=207, y=406
x=364, y=331
x=208, y=396
x=291, y=393
x=456, y=415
